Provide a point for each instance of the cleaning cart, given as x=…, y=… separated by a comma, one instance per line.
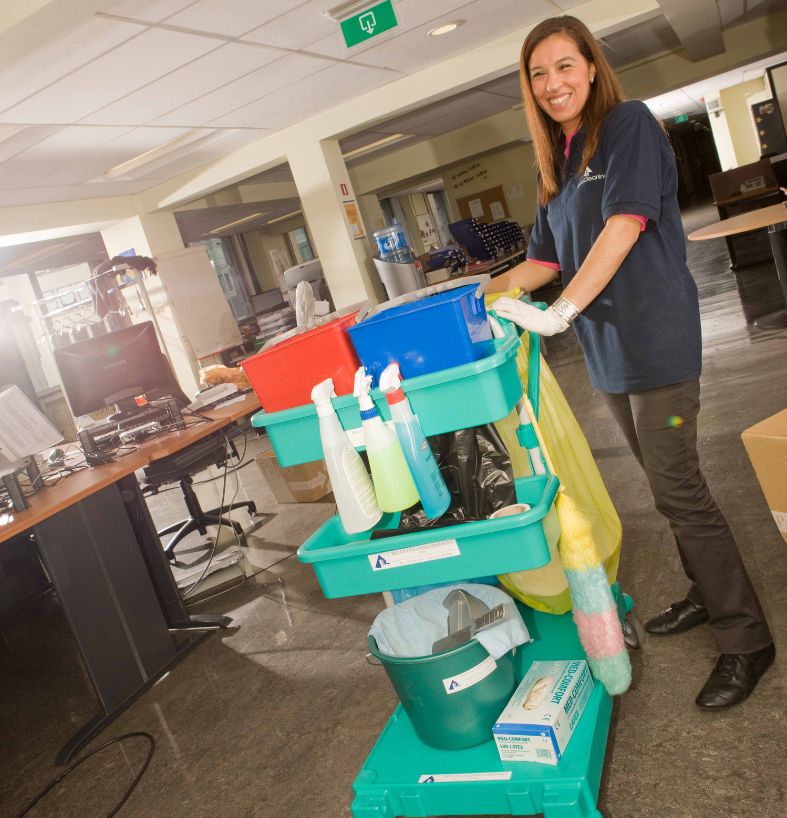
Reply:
x=402, y=776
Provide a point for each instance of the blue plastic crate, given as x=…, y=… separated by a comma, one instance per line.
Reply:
x=483, y=391
x=439, y=332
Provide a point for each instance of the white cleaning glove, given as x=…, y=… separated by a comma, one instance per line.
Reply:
x=542, y=322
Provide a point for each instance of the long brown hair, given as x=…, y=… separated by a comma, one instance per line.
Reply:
x=605, y=94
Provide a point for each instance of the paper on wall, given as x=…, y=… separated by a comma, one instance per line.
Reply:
x=476, y=208
x=497, y=211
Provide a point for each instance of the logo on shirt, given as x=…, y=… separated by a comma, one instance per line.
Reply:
x=590, y=176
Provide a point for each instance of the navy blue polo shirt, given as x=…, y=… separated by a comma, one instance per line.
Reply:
x=643, y=330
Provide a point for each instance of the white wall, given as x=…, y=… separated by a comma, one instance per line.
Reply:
x=721, y=133
x=737, y=102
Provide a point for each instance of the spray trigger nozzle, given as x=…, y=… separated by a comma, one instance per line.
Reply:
x=363, y=382
x=323, y=392
x=390, y=379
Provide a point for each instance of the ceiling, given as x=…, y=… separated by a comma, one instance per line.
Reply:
x=86, y=85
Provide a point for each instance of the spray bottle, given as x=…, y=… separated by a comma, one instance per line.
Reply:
x=432, y=489
x=352, y=487
x=392, y=480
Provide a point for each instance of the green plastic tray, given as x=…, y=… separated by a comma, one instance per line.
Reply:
x=472, y=394
x=352, y=564
x=388, y=784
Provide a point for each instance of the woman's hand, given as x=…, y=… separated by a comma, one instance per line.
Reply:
x=542, y=322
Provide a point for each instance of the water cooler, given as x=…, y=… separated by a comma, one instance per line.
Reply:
x=398, y=270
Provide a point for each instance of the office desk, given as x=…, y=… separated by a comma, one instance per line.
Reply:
x=100, y=548
x=739, y=204
x=498, y=265
x=775, y=219
x=220, y=418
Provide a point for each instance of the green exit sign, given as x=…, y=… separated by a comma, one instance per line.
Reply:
x=681, y=118
x=369, y=23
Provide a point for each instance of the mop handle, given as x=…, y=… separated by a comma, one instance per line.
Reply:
x=537, y=429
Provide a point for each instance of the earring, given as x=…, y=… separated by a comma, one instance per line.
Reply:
x=592, y=78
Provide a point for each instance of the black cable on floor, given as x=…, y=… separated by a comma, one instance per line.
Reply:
x=55, y=781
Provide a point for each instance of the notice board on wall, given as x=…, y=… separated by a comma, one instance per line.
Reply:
x=487, y=205
x=770, y=128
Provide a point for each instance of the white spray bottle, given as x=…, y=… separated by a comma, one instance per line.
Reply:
x=391, y=476
x=352, y=486
x=435, y=497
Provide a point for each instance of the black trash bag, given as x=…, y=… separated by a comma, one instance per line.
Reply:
x=477, y=470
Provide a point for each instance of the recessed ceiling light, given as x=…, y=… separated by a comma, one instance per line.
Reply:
x=285, y=216
x=235, y=223
x=446, y=28
x=373, y=146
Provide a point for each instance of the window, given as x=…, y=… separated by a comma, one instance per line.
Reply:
x=230, y=278
x=301, y=246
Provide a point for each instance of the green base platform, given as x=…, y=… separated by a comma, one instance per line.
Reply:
x=480, y=784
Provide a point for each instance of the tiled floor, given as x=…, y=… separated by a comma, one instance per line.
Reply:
x=274, y=717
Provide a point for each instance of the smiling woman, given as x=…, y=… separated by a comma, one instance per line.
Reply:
x=557, y=70
x=608, y=219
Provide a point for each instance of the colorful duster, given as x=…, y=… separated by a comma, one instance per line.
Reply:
x=595, y=611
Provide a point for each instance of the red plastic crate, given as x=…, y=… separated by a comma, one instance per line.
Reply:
x=284, y=375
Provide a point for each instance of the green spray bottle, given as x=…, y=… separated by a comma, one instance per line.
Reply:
x=393, y=483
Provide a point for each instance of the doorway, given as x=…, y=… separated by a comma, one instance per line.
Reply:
x=696, y=158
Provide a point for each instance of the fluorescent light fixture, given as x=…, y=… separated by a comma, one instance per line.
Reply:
x=446, y=28
x=345, y=10
x=236, y=222
x=192, y=137
x=285, y=216
x=373, y=146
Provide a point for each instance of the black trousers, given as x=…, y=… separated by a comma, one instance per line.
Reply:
x=660, y=426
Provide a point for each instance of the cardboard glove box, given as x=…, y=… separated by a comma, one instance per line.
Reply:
x=766, y=444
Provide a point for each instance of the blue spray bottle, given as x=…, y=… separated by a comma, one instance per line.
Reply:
x=435, y=497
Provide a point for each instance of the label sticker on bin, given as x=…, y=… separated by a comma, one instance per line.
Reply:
x=443, y=549
x=455, y=684
x=448, y=778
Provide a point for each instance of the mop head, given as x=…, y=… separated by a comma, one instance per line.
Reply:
x=595, y=611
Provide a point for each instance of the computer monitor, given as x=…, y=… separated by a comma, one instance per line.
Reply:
x=114, y=369
x=24, y=429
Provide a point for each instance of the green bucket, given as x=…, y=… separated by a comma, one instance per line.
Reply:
x=452, y=698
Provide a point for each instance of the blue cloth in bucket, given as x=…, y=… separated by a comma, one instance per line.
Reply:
x=412, y=627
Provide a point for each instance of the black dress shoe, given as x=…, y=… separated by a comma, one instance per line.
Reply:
x=679, y=617
x=734, y=678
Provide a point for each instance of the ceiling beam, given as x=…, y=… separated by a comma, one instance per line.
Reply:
x=697, y=24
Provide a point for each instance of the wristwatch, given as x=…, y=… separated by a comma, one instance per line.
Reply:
x=565, y=309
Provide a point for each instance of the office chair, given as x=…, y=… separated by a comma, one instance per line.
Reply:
x=180, y=468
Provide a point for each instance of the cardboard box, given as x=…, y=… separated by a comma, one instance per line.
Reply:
x=306, y=483
x=766, y=443
x=540, y=718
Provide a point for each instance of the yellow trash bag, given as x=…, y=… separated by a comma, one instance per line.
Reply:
x=546, y=589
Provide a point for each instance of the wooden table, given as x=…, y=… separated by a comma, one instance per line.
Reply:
x=496, y=265
x=775, y=219
x=99, y=545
